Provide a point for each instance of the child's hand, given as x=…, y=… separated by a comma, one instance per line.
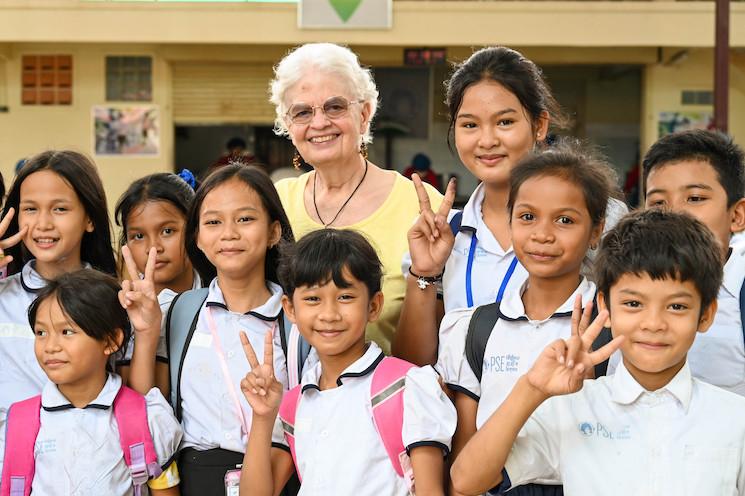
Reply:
x=138, y=296
x=262, y=390
x=12, y=240
x=430, y=238
x=561, y=367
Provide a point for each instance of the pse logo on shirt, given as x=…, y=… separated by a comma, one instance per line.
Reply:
x=45, y=446
x=501, y=363
x=597, y=429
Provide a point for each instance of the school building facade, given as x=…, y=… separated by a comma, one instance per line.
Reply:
x=196, y=73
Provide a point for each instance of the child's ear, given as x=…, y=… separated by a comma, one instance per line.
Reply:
x=737, y=217
x=603, y=305
x=289, y=308
x=89, y=226
x=707, y=317
x=375, y=307
x=115, y=343
x=597, y=232
x=275, y=234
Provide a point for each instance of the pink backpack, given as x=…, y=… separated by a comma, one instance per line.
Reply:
x=387, y=400
x=23, y=425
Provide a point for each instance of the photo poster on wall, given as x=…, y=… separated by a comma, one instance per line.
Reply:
x=673, y=122
x=132, y=130
x=404, y=101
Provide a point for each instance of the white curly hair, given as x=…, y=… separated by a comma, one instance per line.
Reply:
x=328, y=58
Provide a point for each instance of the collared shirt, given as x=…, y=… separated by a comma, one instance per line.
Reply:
x=21, y=375
x=613, y=437
x=718, y=355
x=165, y=298
x=514, y=344
x=490, y=260
x=337, y=446
x=209, y=413
x=77, y=450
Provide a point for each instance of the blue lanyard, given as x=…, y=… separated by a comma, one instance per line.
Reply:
x=469, y=268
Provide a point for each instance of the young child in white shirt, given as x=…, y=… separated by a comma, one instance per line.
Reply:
x=336, y=440
x=648, y=429
x=78, y=325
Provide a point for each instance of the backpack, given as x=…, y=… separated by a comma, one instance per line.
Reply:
x=23, y=423
x=482, y=323
x=387, y=400
x=181, y=321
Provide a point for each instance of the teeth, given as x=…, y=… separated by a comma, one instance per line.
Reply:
x=45, y=240
x=322, y=139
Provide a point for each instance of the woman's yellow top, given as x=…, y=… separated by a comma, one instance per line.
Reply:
x=385, y=229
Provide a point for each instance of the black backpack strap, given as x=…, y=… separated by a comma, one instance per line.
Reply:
x=181, y=321
x=603, y=338
x=480, y=327
x=455, y=222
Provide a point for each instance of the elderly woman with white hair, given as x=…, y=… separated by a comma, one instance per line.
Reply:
x=325, y=102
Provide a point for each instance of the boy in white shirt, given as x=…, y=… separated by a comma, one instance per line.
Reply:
x=648, y=429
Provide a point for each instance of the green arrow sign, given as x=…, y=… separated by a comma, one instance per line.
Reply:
x=345, y=8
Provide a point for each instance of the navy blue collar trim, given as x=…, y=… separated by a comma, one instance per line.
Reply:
x=267, y=318
x=525, y=319
x=27, y=287
x=69, y=406
x=368, y=370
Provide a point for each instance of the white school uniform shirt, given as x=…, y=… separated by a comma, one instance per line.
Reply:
x=337, y=447
x=165, y=298
x=513, y=346
x=615, y=438
x=78, y=452
x=21, y=375
x=210, y=417
x=718, y=355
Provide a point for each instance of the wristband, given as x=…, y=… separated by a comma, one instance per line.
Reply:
x=424, y=281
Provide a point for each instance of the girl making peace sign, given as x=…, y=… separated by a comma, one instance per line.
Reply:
x=233, y=231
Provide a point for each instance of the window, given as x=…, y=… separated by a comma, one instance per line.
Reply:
x=129, y=79
x=692, y=97
x=46, y=80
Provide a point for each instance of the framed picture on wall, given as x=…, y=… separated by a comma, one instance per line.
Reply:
x=126, y=130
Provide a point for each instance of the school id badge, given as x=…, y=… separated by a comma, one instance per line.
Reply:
x=233, y=482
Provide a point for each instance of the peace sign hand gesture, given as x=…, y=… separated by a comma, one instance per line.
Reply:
x=138, y=296
x=262, y=390
x=11, y=240
x=561, y=367
x=430, y=238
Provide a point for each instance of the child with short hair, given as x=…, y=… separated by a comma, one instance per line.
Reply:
x=332, y=425
x=557, y=205
x=702, y=173
x=72, y=438
x=648, y=429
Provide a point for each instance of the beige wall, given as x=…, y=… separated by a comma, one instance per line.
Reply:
x=664, y=83
x=27, y=129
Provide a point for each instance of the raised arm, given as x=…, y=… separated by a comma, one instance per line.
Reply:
x=265, y=469
x=430, y=243
x=138, y=297
x=560, y=369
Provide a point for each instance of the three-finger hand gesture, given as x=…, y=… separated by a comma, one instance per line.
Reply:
x=262, y=390
x=138, y=296
x=430, y=238
x=561, y=367
x=11, y=240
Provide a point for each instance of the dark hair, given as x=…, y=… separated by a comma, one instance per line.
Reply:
x=80, y=173
x=2, y=189
x=258, y=181
x=322, y=256
x=661, y=244
x=235, y=142
x=161, y=186
x=713, y=147
x=568, y=160
x=511, y=69
x=90, y=299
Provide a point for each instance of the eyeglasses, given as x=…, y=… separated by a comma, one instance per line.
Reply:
x=333, y=108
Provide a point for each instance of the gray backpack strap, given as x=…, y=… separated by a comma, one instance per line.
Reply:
x=601, y=340
x=181, y=321
x=285, y=335
x=479, y=329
